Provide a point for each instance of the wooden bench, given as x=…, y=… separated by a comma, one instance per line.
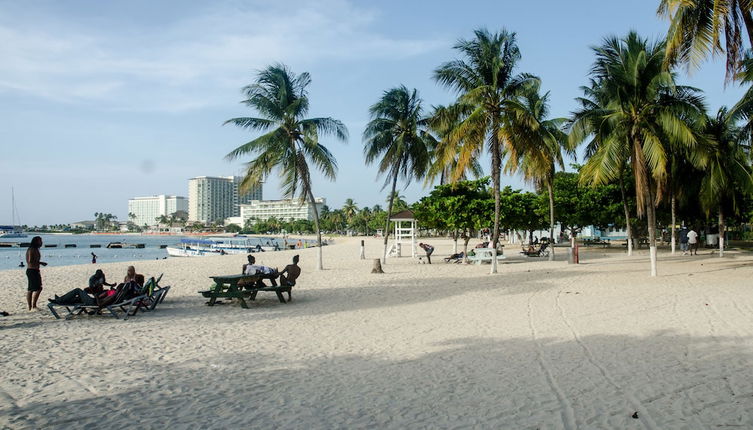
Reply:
x=277, y=289
x=228, y=287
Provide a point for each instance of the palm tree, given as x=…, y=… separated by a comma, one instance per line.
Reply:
x=398, y=201
x=537, y=144
x=290, y=141
x=697, y=27
x=444, y=152
x=645, y=113
x=485, y=82
x=728, y=171
x=394, y=136
x=350, y=209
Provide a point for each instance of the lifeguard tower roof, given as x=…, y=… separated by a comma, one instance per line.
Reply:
x=406, y=215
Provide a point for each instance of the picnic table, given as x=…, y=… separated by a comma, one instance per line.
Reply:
x=597, y=242
x=484, y=255
x=226, y=286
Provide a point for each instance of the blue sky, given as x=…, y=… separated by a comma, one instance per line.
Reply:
x=103, y=101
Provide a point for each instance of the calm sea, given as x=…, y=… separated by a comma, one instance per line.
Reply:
x=81, y=254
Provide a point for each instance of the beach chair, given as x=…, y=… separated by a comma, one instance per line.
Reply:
x=455, y=258
x=155, y=293
x=543, y=251
x=124, y=302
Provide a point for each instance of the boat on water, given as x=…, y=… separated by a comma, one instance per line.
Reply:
x=12, y=231
x=219, y=246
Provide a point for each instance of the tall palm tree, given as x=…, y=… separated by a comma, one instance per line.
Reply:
x=485, y=82
x=645, y=113
x=290, y=141
x=537, y=144
x=395, y=137
x=591, y=121
x=697, y=27
x=398, y=201
x=728, y=171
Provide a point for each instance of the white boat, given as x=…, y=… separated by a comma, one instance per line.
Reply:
x=13, y=230
x=219, y=246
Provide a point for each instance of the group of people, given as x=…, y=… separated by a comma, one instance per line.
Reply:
x=96, y=294
x=287, y=277
x=688, y=241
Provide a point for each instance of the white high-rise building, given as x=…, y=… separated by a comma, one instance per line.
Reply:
x=148, y=209
x=286, y=210
x=214, y=198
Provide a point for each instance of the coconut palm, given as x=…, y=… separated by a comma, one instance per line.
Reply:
x=645, y=113
x=537, y=144
x=395, y=137
x=445, y=162
x=697, y=28
x=290, y=141
x=485, y=82
x=728, y=170
x=350, y=209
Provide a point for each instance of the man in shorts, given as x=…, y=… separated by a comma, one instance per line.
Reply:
x=34, y=276
x=693, y=241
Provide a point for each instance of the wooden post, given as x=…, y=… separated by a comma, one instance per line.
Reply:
x=377, y=266
x=363, y=251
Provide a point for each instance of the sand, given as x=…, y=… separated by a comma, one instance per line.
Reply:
x=540, y=345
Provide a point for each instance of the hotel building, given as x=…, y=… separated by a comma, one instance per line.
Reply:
x=148, y=209
x=214, y=198
x=287, y=209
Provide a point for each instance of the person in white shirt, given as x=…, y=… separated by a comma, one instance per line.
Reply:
x=693, y=241
x=266, y=272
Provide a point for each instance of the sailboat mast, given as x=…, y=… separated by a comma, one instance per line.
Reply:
x=12, y=207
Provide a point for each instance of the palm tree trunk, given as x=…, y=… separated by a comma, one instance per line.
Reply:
x=389, y=212
x=721, y=231
x=496, y=164
x=673, y=204
x=748, y=20
x=312, y=202
x=551, y=220
x=628, y=228
x=651, y=219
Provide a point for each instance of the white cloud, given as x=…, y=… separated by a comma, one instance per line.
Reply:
x=181, y=65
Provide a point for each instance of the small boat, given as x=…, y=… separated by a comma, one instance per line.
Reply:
x=219, y=246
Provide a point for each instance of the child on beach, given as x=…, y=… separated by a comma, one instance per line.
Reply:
x=34, y=276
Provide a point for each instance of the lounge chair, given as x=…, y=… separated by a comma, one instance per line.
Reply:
x=543, y=251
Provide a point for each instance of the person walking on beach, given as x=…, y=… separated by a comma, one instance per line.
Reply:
x=94, y=258
x=33, y=274
x=684, y=240
x=428, y=249
x=693, y=241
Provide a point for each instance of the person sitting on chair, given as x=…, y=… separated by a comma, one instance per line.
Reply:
x=292, y=271
x=263, y=271
x=96, y=283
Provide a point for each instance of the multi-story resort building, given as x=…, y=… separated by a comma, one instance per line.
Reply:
x=214, y=198
x=287, y=209
x=148, y=209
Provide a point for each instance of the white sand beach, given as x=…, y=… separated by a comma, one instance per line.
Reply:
x=540, y=345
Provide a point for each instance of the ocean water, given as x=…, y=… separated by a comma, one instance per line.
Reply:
x=81, y=254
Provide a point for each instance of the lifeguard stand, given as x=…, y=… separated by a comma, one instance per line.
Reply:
x=405, y=234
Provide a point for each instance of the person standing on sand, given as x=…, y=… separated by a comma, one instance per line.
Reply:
x=693, y=241
x=684, y=240
x=34, y=276
x=428, y=249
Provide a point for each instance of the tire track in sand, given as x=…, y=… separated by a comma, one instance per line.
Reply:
x=632, y=399
x=567, y=413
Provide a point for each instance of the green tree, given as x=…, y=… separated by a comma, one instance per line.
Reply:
x=539, y=143
x=697, y=27
x=464, y=206
x=394, y=137
x=350, y=209
x=646, y=113
x=485, y=82
x=290, y=141
x=727, y=178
